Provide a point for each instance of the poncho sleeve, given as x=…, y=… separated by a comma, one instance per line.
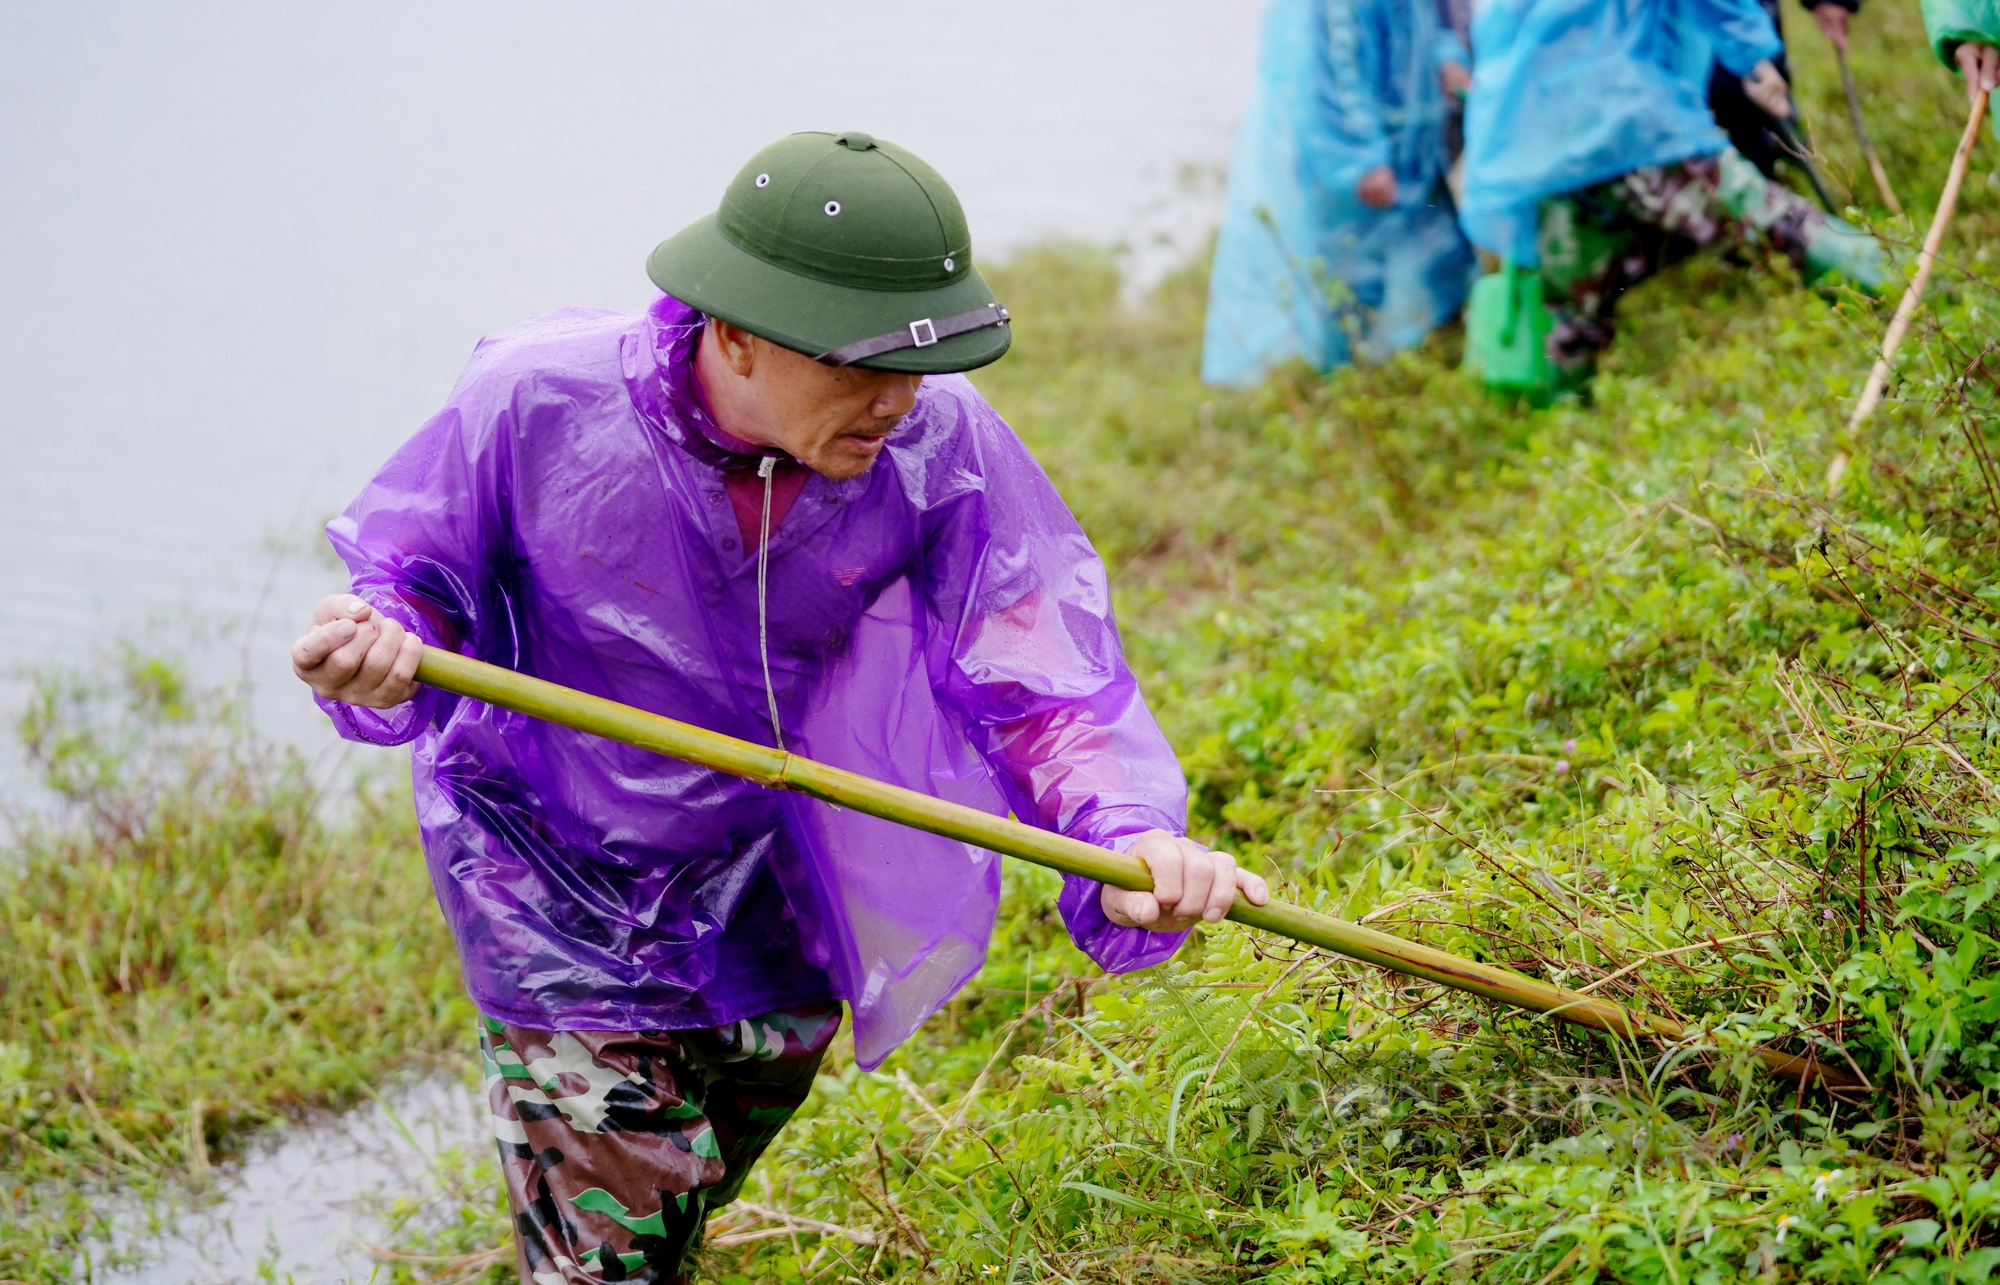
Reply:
x=1951, y=23
x=419, y=543
x=1029, y=658
x=1355, y=139
x=1742, y=33
x=1449, y=44
x=1449, y=47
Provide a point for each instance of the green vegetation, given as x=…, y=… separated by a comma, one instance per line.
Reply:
x=193, y=954
x=1612, y=694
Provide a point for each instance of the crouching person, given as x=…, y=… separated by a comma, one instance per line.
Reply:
x=769, y=506
x=1592, y=159
x=1340, y=242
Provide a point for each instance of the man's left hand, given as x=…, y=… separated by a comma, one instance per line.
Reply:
x=1377, y=188
x=1832, y=20
x=1981, y=65
x=1190, y=885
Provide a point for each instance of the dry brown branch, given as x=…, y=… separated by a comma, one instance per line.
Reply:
x=725, y=1229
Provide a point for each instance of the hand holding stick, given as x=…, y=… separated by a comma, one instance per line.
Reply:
x=783, y=771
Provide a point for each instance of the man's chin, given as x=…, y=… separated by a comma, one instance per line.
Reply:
x=841, y=464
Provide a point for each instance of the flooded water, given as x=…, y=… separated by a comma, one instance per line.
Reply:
x=246, y=248
x=305, y=1204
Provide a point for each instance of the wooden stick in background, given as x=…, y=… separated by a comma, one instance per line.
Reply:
x=782, y=771
x=1899, y=325
x=1861, y=134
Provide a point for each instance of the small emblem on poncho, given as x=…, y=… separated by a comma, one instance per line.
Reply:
x=847, y=575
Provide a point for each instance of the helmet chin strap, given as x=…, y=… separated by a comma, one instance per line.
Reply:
x=766, y=467
x=921, y=333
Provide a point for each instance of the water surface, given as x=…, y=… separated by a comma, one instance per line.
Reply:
x=246, y=248
x=308, y=1200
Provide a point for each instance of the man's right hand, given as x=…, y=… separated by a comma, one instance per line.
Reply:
x=1191, y=885
x=1377, y=187
x=1832, y=20
x=1981, y=65
x=355, y=654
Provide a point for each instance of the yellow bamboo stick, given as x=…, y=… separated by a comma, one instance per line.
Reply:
x=780, y=770
x=1906, y=308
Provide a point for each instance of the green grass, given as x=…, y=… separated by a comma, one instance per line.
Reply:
x=192, y=955
x=1611, y=694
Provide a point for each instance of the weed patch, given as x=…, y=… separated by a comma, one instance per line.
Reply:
x=1612, y=694
x=189, y=953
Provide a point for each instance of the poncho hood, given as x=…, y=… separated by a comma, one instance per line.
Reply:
x=940, y=622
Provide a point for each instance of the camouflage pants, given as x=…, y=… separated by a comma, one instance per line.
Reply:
x=615, y=1146
x=1600, y=242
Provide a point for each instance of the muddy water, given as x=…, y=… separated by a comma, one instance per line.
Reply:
x=307, y=1200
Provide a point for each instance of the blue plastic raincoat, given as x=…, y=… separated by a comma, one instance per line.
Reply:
x=939, y=622
x=1302, y=267
x=1569, y=93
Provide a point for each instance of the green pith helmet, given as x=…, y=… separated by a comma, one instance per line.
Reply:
x=845, y=248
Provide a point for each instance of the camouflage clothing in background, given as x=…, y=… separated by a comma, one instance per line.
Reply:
x=615, y=1146
x=1600, y=242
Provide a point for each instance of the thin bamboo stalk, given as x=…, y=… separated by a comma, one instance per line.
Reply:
x=1861, y=135
x=780, y=770
x=1906, y=309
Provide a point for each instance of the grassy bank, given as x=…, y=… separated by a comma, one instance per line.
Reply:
x=1614, y=695
x=187, y=953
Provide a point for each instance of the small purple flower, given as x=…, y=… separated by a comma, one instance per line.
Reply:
x=1562, y=766
x=1827, y=914
x=1569, y=746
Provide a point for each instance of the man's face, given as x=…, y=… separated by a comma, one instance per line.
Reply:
x=832, y=419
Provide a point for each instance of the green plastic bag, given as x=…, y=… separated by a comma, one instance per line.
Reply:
x=1505, y=330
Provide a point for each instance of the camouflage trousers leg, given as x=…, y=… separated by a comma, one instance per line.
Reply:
x=1600, y=242
x=616, y=1145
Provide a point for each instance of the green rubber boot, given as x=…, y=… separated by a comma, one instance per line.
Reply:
x=1837, y=248
x=1506, y=333
x=1834, y=247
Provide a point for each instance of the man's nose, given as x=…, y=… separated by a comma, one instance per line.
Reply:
x=897, y=397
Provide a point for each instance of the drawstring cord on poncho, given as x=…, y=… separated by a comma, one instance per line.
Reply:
x=765, y=468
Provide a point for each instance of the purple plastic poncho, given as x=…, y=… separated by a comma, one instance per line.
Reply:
x=940, y=622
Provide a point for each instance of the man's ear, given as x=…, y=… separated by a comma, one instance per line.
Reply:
x=737, y=345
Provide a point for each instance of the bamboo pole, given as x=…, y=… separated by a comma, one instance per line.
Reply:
x=1906, y=309
x=1861, y=135
x=780, y=770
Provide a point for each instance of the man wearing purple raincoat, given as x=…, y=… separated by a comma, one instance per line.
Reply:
x=746, y=508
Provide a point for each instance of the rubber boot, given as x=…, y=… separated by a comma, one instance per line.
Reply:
x=1821, y=244
x=1506, y=337
x=1837, y=247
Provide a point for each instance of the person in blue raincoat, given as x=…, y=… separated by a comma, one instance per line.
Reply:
x=1592, y=156
x=1340, y=242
